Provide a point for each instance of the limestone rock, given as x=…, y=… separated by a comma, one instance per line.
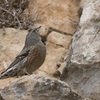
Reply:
x=57, y=45
x=58, y=14
x=5, y=82
x=39, y=88
x=83, y=64
x=59, y=39
x=43, y=31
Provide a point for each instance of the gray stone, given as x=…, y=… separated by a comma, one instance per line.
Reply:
x=39, y=88
x=83, y=64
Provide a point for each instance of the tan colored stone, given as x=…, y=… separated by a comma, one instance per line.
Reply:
x=5, y=82
x=52, y=59
x=57, y=45
x=59, y=39
x=59, y=15
x=43, y=31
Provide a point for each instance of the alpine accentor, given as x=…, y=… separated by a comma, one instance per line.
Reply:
x=31, y=57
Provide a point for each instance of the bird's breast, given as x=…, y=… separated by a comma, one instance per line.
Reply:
x=36, y=58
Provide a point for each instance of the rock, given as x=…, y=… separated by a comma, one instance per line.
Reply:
x=39, y=88
x=57, y=45
x=58, y=14
x=84, y=59
x=5, y=82
x=43, y=31
x=59, y=39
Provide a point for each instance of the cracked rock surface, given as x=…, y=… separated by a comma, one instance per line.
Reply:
x=39, y=88
x=83, y=64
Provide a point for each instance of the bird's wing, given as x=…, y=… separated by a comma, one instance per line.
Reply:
x=33, y=54
x=24, y=53
x=12, y=70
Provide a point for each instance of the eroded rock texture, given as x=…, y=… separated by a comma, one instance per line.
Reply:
x=57, y=14
x=83, y=64
x=39, y=88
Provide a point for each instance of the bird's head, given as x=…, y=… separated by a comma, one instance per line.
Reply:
x=33, y=36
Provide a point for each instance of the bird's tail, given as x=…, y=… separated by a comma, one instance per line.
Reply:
x=8, y=73
x=2, y=76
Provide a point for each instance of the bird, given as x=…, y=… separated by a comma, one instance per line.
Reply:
x=30, y=58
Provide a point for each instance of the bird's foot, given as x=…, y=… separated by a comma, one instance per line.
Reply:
x=26, y=72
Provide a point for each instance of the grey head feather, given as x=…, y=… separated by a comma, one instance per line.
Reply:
x=32, y=37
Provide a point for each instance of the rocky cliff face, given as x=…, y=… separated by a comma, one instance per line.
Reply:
x=83, y=65
x=39, y=88
x=68, y=25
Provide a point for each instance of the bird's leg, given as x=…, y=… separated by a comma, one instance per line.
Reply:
x=33, y=73
x=26, y=71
